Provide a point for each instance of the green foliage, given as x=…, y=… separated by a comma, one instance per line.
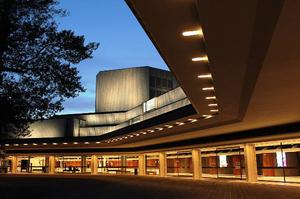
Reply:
x=36, y=63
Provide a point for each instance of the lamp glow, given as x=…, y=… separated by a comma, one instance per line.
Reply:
x=204, y=76
x=192, y=33
x=208, y=88
x=204, y=58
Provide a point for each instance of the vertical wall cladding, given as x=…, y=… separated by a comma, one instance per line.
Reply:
x=121, y=90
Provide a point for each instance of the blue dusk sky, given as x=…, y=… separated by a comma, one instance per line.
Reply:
x=123, y=43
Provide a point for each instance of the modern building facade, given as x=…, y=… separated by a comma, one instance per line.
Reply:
x=235, y=114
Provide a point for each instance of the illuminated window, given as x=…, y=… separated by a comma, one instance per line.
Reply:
x=281, y=159
x=150, y=105
x=223, y=161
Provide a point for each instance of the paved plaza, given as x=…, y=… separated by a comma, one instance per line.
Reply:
x=94, y=187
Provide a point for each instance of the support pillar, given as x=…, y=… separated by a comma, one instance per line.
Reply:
x=83, y=164
x=123, y=164
x=142, y=165
x=162, y=164
x=94, y=164
x=14, y=164
x=51, y=164
x=250, y=162
x=197, y=165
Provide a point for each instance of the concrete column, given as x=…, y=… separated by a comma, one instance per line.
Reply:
x=14, y=164
x=142, y=165
x=123, y=164
x=197, y=165
x=83, y=164
x=94, y=165
x=162, y=164
x=51, y=164
x=250, y=162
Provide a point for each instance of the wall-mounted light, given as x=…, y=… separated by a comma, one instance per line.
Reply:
x=54, y=143
x=212, y=104
x=65, y=143
x=210, y=97
x=203, y=59
x=75, y=142
x=205, y=76
x=192, y=33
x=208, y=88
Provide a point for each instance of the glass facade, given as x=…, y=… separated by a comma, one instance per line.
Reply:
x=152, y=164
x=223, y=163
x=180, y=163
x=279, y=162
x=73, y=164
x=31, y=164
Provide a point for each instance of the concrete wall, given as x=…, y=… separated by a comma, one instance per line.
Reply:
x=121, y=90
x=48, y=128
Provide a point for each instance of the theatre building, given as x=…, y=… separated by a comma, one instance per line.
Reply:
x=229, y=107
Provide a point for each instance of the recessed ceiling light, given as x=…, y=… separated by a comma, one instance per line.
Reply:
x=144, y=133
x=137, y=134
x=192, y=120
x=214, y=110
x=34, y=144
x=86, y=142
x=65, y=143
x=212, y=104
x=98, y=142
x=150, y=131
x=16, y=144
x=25, y=144
x=192, y=33
x=159, y=129
x=131, y=136
x=75, y=142
x=208, y=88
x=207, y=116
x=179, y=123
x=6, y=144
x=210, y=97
x=204, y=58
x=204, y=76
x=54, y=143
x=169, y=126
x=44, y=143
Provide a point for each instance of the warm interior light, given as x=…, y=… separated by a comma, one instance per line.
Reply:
x=208, y=88
x=210, y=97
x=65, y=143
x=6, y=144
x=144, y=133
x=25, y=144
x=159, y=129
x=204, y=58
x=204, y=76
x=169, y=126
x=16, y=144
x=214, y=110
x=192, y=33
x=44, y=143
x=86, y=142
x=98, y=142
x=212, y=104
x=54, y=143
x=75, y=142
x=34, y=144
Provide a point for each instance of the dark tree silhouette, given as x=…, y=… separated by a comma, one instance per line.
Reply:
x=36, y=63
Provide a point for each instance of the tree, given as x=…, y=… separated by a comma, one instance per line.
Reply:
x=37, y=61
